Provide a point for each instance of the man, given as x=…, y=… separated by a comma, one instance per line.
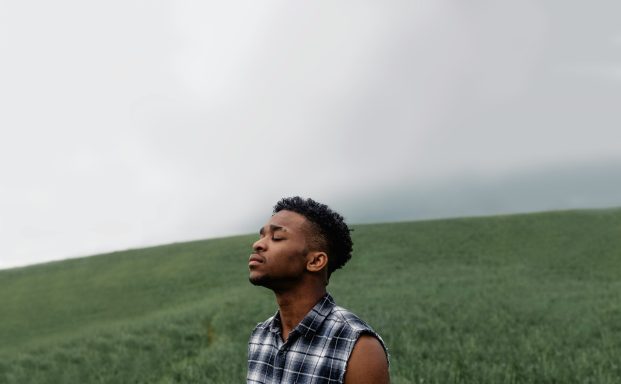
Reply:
x=309, y=339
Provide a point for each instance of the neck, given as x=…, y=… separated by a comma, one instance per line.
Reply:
x=294, y=305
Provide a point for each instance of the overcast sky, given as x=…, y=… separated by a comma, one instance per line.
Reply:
x=132, y=123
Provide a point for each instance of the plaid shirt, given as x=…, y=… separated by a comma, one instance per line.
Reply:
x=316, y=351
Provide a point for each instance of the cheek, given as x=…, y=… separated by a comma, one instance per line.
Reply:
x=297, y=260
x=289, y=259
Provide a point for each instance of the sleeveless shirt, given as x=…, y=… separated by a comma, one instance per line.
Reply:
x=316, y=351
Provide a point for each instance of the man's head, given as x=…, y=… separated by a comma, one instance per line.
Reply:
x=302, y=237
x=328, y=231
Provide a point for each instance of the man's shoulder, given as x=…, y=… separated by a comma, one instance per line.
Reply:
x=355, y=325
x=349, y=319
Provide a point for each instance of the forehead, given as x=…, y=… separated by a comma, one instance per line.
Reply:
x=289, y=220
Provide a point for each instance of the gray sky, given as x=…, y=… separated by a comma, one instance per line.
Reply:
x=131, y=123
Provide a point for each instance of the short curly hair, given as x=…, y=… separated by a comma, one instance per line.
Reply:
x=330, y=226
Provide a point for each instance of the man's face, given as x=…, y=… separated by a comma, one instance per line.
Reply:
x=279, y=256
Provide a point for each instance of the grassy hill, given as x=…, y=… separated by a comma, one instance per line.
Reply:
x=530, y=298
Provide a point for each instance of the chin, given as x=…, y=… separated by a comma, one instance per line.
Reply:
x=257, y=280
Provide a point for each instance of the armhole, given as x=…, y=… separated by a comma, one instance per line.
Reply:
x=358, y=334
x=374, y=334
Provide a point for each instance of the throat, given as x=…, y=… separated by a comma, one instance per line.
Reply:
x=293, y=308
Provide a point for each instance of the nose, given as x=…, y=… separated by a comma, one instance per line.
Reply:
x=259, y=245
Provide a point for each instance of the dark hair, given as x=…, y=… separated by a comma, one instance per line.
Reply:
x=330, y=225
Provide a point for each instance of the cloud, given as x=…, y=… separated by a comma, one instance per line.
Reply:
x=601, y=71
x=586, y=184
x=190, y=119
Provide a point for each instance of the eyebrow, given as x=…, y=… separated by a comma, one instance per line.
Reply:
x=273, y=228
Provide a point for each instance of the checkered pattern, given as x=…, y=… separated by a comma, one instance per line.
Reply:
x=316, y=351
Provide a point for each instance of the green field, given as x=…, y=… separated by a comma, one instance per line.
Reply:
x=532, y=298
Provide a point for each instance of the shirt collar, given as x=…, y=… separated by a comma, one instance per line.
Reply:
x=313, y=319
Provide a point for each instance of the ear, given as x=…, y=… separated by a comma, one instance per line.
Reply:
x=316, y=261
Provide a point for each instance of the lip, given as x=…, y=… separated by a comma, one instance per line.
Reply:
x=255, y=260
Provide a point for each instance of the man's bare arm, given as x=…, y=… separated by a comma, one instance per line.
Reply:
x=368, y=363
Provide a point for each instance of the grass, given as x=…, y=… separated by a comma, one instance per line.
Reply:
x=530, y=298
